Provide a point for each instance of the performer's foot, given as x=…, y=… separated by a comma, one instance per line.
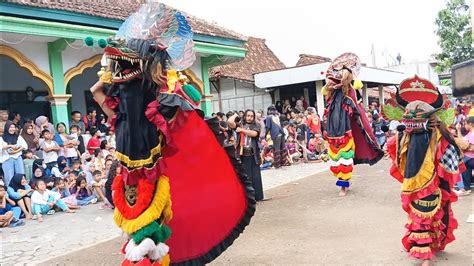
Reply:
x=426, y=263
x=343, y=192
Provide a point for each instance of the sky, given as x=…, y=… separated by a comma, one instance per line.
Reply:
x=329, y=28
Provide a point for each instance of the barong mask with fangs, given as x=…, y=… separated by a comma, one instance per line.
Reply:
x=124, y=63
x=155, y=36
x=417, y=101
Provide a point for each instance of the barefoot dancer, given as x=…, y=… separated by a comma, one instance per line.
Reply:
x=427, y=162
x=350, y=137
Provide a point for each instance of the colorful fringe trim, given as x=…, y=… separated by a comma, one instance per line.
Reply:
x=426, y=197
x=160, y=206
x=341, y=155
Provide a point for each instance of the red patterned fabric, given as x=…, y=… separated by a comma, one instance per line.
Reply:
x=433, y=226
x=416, y=88
x=206, y=192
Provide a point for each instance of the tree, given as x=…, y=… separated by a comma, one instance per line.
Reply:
x=454, y=31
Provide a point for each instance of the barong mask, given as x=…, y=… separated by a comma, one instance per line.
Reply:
x=337, y=76
x=419, y=106
x=154, y=39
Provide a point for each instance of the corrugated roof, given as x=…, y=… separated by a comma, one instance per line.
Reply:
x=259, y=58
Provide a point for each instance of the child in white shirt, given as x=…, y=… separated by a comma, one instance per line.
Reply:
x=44, y=200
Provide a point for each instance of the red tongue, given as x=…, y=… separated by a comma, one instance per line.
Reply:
x=126, y=71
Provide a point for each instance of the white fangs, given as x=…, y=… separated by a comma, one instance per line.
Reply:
x=119, y=77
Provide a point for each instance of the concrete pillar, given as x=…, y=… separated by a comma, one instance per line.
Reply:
x=59, y=108
x=206, y=102
x=365, y=96
x=276, y=94
x=319, y=98
x=381, y=96
x=306, y=95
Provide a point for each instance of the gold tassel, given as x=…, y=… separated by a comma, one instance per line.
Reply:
x=436, y=223
x=431, y=213
x=420, y=235
x=420, y=249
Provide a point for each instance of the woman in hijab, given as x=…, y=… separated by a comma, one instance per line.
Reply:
x=39, y=174
x=299, y=106
x=31, y=139
x=42, y=123
x=61, y=169
x=20, y=192
x=11, y=145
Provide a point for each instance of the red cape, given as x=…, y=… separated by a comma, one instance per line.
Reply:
x=212, y=201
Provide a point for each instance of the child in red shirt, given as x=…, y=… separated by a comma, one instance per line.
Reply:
x=94, y=142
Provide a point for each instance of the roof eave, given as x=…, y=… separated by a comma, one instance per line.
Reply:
x=67, y=17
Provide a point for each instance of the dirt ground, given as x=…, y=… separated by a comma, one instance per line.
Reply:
x=306, y=223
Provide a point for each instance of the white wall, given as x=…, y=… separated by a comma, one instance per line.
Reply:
x=422, y=69
x=72, y=57
x=36, y=52
x=240, y=96
x=196, y=67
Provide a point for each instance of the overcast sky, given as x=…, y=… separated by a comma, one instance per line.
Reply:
x=329, y=28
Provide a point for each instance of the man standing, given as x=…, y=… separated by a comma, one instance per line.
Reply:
x=3, y=120
x=16, y=119
x=90, y=120
x=272, y=127
x=380, y=127
x=248, y=132
x=222, y=135
x=76, y=120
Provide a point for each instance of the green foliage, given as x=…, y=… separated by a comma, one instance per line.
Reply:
x=454, y=31
x=447, y=116
x=445, y=82
x=392, y=113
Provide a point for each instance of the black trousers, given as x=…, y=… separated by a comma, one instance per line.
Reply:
x=279, y=154
x=253, y=172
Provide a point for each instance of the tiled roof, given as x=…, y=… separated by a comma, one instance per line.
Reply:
x=259, y=58
x=121, y=9
x=307, y=59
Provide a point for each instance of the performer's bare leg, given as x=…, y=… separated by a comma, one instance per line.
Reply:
x=343, y=192
x=426, y=263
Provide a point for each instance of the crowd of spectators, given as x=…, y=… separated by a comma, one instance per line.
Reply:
x=47, y=168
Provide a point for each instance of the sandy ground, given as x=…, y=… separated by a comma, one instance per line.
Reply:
x=306, y=223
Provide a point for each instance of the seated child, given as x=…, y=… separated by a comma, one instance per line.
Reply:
x=60, y=187
x=99, y=188
x=83, y=193
x=76, y=166
x=9, y=213
x=267, y=158
x=293, y=154
x=45, y=200
x=71, y=180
